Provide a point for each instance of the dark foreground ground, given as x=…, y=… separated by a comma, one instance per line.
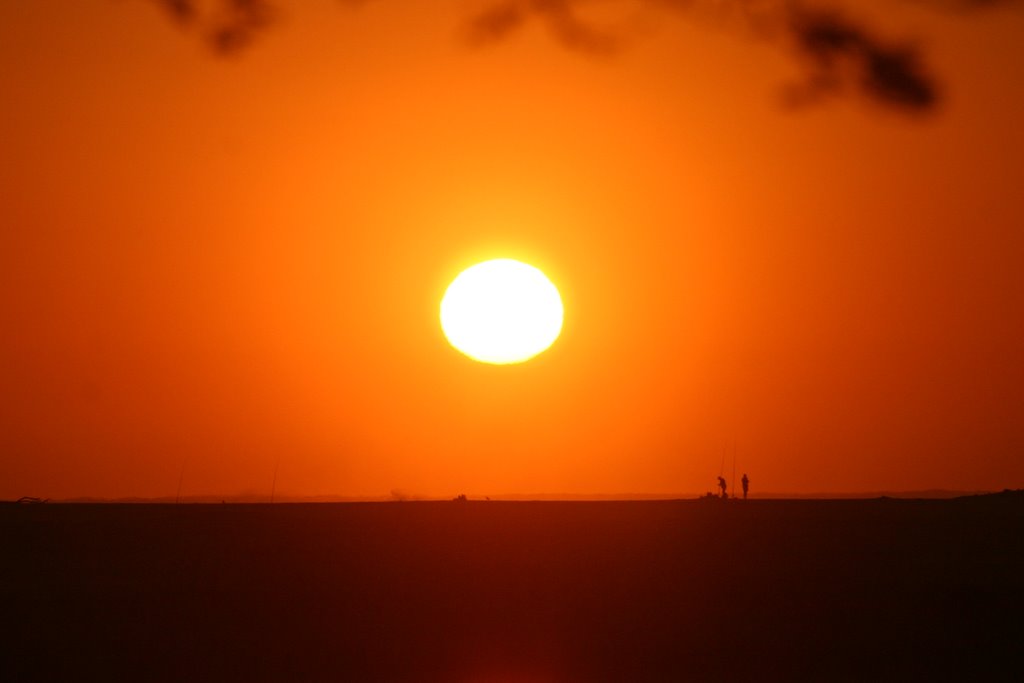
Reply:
x=630, y=591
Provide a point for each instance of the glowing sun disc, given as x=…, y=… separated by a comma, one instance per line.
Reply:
x=501, y=311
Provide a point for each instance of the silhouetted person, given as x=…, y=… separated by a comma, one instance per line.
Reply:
x=746, y=485
x=721, y=485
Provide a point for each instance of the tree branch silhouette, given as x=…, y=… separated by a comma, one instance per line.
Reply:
x=837, y=53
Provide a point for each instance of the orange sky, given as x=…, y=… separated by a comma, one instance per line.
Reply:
x=234, y=261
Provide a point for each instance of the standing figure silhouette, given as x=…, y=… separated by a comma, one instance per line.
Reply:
x=746, y=485
x=721, y=485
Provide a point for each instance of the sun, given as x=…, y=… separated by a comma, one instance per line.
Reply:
x=501, y=312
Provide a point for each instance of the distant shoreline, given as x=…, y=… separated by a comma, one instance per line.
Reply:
x=552, y=498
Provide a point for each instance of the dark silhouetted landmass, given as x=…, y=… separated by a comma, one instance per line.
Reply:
x=773, y=590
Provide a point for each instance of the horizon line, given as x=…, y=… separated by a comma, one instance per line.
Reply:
x=920, y=494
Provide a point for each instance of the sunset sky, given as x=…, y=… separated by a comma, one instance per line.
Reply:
x=223, y=253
